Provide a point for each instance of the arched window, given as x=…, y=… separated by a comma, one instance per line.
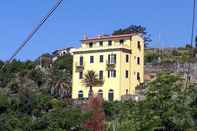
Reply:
x=127, y=91
x=80, y=94
x=100, y=93
x=111, y=95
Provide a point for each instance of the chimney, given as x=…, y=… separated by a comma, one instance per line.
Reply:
x=85, y=37
x=99, y=36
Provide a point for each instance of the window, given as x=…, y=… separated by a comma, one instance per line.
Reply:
x=112, y=59
x=111, y=95
x=91, y=59
x=138, y=45
x=127, y=91
x=101, y=58
x=100, y=43
x=80, y=94
x=127, y=58
x=90, y=45
x=121, y=42
x=138, y=60
x=111, y=73
x=81, y=60
x=109, y=43
x=101, y=75
x=100, y=93
x=138, y=76
x=81, y=75
x=126, y=74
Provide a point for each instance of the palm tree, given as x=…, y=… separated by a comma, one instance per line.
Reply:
x=61, y=89
x=91, y=80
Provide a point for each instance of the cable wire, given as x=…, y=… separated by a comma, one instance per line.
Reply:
x=191, y=52
x=33, y=32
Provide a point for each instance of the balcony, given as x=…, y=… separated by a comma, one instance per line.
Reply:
x=111, y=65
x=79, y=67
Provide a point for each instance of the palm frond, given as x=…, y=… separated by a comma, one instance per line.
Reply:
x=91, y=79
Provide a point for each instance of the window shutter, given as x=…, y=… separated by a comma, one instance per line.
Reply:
x=108, y=59
x=115, y=58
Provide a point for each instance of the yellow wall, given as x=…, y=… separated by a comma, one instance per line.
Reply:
x=118, y=84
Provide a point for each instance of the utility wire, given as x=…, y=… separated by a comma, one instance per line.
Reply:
x=33, y=32
x=191, y=52
x=193, y=22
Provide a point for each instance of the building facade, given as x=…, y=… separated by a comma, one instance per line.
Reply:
x=117, y=59
x=61, y=52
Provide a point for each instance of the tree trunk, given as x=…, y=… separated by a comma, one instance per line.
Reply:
x=90, y=92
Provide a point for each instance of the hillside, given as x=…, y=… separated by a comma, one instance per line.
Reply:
x=36, y=96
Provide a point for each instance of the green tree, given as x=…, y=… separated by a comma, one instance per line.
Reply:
x=37, y=76
x=91, y=80
x=164, y=101
x=64, y=62
x=1, y=63
x=188, y=46
x=135, y=29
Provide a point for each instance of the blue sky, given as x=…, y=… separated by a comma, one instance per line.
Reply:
x=169, y=18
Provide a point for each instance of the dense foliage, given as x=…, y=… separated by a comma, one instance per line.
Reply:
x=33, y=98
x=135, y=29
x=168, y=106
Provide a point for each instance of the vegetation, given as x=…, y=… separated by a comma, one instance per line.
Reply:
x=91, y=80
x=167, y=56
x=168, y=106
x=135, y=29
x=34, y=98
x=196, y=41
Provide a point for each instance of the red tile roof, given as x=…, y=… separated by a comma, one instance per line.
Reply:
x=104, y=37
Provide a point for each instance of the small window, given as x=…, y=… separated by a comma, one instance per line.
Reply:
x=100, y=43
x=121, y=42
x=100, y=93
x=138, y=76
x=81, y=60
x=139, y=45
x=91, y=59
x=127, y=58
x=90, y=45
x=101, y=59
x=127, y=91
x=138, y=60
x=109, y=43
x=101, y=75
x=80, y=94
x=111, y=95
x=126, y=74
x=81, y=75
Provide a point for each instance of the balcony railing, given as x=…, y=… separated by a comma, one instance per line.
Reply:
x=79, y=67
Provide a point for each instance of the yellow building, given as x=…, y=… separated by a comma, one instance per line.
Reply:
x=117, y=59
